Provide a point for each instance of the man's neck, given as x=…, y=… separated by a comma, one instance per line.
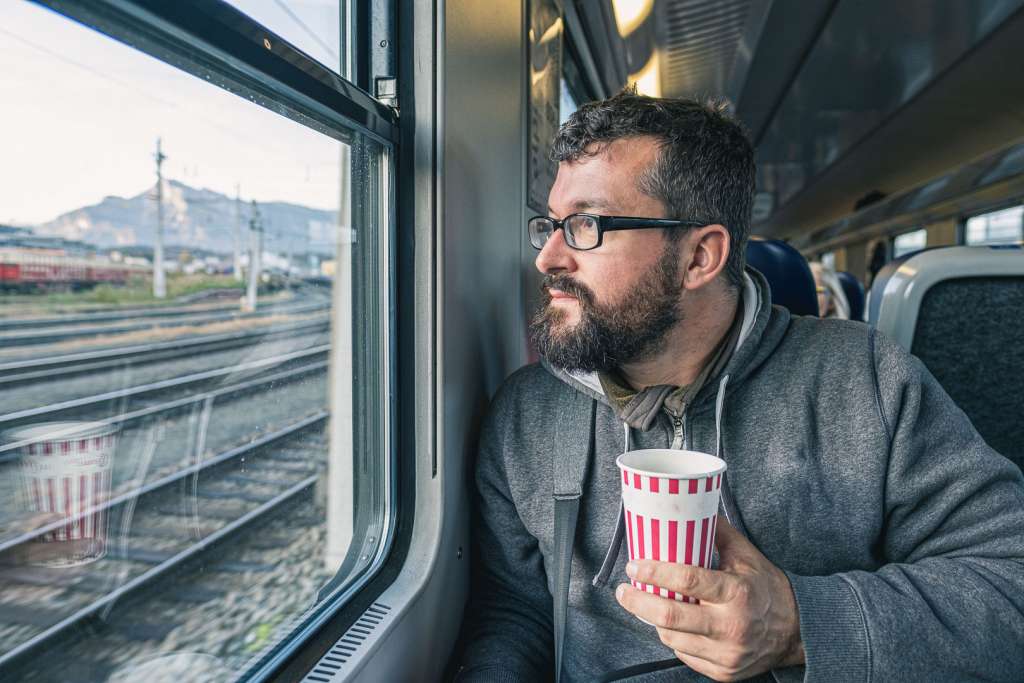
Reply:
x=688, y=347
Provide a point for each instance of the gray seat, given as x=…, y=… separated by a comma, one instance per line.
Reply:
x=961, y=311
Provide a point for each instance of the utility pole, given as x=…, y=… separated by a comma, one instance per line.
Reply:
x=159, y=284
x=287, y=254
x=255, y=255
x=238, y=232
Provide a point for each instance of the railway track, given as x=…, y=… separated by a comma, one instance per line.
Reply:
x=240, y=488
x=180, y=307
x=112, y=315
x=150, y=400
x=50, y=368
x=47, y=335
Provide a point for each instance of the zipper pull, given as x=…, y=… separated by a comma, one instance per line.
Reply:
x=677, y=432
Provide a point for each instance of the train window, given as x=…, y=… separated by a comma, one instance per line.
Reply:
x=573, y=86
x=996, y=227
x=914, y=240
x=194, y=363
x=313, y=26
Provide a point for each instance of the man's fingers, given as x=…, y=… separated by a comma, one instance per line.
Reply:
x=703, y=647
x=663, y=612
x=697, y=582
x=708, y=668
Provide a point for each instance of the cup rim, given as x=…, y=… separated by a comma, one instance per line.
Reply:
x=61, y=430
x=719, y=464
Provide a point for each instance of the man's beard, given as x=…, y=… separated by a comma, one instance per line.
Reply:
x=605, y=337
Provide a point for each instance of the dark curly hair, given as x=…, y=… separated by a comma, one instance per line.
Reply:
x=705, y=168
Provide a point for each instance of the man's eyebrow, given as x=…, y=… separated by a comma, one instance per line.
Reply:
x=584, y=205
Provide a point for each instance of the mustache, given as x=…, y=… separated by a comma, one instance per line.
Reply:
x=566, y=284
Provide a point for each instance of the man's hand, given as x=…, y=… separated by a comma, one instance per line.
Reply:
x=747, y=620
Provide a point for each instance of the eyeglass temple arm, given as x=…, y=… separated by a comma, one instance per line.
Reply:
x=637, y=223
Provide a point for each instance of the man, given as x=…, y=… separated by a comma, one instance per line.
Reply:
x=867, y=532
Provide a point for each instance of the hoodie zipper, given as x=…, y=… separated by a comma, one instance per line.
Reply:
x=677, y=429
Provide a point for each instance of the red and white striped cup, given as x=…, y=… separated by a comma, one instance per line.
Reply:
x=65, y=470
x=671, y=505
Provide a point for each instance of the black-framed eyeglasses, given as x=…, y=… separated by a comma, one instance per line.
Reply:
x=585, y=231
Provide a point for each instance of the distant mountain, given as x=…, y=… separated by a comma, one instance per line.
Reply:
x=196, y=218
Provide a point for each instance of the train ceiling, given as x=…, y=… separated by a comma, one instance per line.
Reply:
x=847, y=101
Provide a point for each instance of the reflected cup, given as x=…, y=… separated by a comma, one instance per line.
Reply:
x=670, y=500
x=66, y=475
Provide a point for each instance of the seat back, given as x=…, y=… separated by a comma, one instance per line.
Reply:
x=854, y=292
x=787, y=273
x=961, y=311
x=878, y=285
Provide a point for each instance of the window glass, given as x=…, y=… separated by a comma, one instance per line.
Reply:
x=313, y=26
x=574, y=91
x=908, y=242
x=997, y=227
x=186, y=474
x=567, y=103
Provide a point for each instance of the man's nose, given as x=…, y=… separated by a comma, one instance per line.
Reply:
x=556, y=256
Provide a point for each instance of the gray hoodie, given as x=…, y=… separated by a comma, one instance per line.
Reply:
x=901, y=531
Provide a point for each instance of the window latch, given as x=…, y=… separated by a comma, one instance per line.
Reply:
x=386, y=90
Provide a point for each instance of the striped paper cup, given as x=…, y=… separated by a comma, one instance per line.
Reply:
x=65, y=469
x=671, y=505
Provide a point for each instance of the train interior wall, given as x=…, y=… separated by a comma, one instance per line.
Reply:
x=479, y=256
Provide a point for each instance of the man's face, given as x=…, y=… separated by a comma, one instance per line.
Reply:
x=614, y=304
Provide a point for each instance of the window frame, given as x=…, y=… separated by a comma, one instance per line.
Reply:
x=219, y=42
x=215, y=39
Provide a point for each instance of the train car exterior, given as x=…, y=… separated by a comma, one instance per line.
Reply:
x=27, y=268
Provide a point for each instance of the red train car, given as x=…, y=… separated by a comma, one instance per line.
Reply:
x=27, y=269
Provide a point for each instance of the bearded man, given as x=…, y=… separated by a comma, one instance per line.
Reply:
x=866, y=531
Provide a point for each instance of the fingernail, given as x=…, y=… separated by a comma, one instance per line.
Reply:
x=631, y=569
x=620, y=591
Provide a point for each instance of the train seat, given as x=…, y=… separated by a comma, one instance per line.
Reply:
x=854, y=292
x=787, y=273
x=874, y=296
x=961, y=311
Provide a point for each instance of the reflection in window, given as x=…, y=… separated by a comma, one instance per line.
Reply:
x=183, y=477
x=909, y=242
x=997, y=227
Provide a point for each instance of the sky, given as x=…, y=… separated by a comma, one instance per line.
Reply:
x=81, y=114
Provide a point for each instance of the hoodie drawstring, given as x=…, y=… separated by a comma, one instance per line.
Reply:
x=612, y=555
x=727, y=504
x=719, y=408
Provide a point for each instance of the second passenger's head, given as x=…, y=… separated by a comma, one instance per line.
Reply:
x=614, y=289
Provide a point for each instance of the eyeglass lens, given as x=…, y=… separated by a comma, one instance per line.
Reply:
x=581, y=231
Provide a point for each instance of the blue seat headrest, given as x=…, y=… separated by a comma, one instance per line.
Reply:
x=787, y=273
x=854, y=292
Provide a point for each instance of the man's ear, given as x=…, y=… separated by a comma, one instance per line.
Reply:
x=709, y=251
